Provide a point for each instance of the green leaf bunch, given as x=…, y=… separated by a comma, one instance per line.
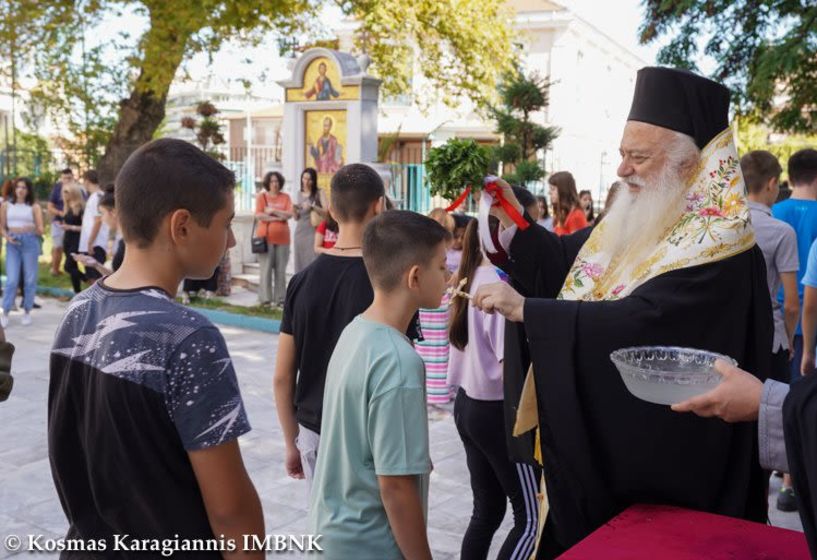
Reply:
x=455, y=165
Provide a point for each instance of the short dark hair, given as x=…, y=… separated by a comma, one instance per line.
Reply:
x=523, y=195
x=395, y=241
x=163, y=176
x=355, y=187
x=461, y=221
x=803, y=167
x=108, y=198
x=66, y=171
x=29, y=187
x=268, y=179
x=92, y=176
x=758, y=167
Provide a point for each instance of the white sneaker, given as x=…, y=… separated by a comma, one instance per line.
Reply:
x=26, y=319
x=4, y=321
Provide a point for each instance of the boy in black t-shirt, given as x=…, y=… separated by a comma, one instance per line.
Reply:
x=144, y=409
x=321, y=300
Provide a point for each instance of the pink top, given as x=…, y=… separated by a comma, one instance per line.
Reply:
x=452, y=260
x=478, y=368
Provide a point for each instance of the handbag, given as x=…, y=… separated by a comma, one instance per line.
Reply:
x=258, y=245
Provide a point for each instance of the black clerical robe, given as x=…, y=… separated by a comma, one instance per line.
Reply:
x=800, y=431
x=604, y=449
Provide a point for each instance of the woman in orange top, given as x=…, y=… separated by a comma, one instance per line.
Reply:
x=568, y=215
x=273, y=209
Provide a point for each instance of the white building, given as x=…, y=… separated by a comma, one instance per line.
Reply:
x=230, y=98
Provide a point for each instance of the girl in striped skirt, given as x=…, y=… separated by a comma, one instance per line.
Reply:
x=433, y=349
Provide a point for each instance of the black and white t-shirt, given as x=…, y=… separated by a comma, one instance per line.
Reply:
x=137, y=381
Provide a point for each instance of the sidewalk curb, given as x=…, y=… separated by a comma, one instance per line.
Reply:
x=55, y=292
x=248, y=322
x=225, y=318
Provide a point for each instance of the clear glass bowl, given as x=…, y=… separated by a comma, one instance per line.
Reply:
x=667, y=374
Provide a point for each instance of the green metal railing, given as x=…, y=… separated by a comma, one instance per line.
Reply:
x=410, y=187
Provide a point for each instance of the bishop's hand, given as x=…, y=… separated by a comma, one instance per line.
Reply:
x=499, y=212
x=501, y=298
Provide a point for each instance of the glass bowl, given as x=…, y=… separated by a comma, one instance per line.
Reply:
x=668, y=374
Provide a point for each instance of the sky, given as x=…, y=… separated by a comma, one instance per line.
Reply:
x=619, y=19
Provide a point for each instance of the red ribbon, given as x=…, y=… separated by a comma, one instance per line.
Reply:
x=510, y=209
x=460, y=199
x=499, y=199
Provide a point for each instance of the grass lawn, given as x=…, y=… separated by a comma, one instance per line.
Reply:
x=220, y=305
x=64, y=281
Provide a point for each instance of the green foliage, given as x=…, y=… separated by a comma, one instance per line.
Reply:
x=526, y=171
x=521, y=96
x=765, y=50
x=113, y=94
x=462, y=46
x=753, y=135
x=456, y=165
x=34, y=158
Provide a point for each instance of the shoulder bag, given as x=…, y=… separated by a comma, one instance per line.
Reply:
x=258, y=244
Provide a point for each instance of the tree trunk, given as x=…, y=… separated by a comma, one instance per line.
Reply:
x=139, y=117
x=163, y=48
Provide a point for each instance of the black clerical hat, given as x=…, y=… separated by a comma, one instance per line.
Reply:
x=682, y=101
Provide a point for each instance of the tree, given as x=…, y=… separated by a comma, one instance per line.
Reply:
x=463, y=45
x=766, y=52
x=521, y=97
x=755, y=136
x=208, y=130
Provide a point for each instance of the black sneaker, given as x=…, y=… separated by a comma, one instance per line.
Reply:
x=786, y=500
x=37, y=306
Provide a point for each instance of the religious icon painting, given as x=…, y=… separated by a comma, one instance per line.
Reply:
x=325, y=133
x=322, y=83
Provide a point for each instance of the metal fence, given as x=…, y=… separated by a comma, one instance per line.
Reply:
x=245, y=185
x=409, y=187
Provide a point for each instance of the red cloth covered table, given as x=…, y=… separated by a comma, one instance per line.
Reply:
x=671, y=533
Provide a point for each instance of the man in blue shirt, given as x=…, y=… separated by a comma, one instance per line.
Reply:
x=800, y=212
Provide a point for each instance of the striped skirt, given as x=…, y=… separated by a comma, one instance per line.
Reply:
x=434, y=352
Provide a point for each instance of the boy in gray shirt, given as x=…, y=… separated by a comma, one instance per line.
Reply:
x=778, y=241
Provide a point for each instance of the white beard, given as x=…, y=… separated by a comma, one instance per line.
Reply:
x=636, y=222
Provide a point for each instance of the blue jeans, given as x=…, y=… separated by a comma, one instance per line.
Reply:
x=22, y=254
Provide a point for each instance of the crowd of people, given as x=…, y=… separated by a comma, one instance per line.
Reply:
x=316, y=229
x=78, y=234
x=390, y=311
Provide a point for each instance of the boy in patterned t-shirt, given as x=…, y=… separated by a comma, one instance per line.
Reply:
x=144, y=409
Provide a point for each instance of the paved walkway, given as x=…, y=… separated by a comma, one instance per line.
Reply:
x=29, y=504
